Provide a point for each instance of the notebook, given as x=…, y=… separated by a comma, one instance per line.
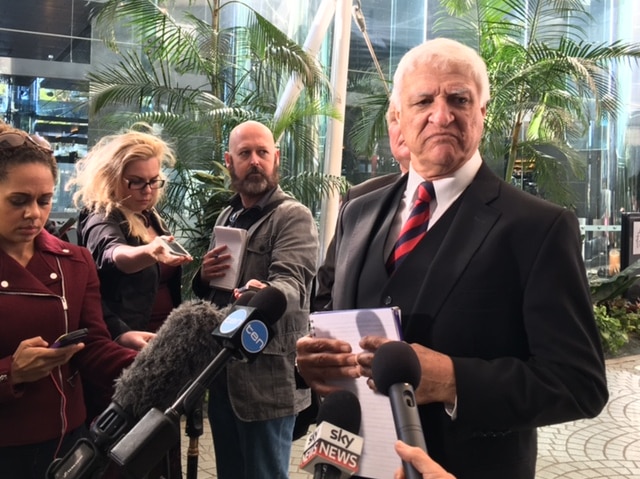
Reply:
x=236, y=241
x=379, y=459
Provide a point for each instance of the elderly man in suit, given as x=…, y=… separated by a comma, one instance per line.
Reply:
x=494, y=296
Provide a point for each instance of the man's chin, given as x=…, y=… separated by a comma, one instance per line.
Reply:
x=255, y=189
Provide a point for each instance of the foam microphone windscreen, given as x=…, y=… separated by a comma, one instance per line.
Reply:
x=341, y=408
x=181, y=349
x=393, y=363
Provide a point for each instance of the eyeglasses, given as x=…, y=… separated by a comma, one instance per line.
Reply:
x=141, y=185
x=13, y=139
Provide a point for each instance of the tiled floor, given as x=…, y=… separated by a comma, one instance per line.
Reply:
x=606, y=447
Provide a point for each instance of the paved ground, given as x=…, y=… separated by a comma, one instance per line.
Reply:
x=606, y=447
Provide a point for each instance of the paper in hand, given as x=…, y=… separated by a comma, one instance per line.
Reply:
x=236, y=241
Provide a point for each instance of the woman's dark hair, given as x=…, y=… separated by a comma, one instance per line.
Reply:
x=32, y=149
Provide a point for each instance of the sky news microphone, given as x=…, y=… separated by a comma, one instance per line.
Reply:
x=396, y=372
x=333, y=448
x=242, y=334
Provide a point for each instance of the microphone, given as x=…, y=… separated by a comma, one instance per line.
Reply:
x=181, y=349
x=244, y=333
x=333, y=449
x=396, y=372
x=247, y=329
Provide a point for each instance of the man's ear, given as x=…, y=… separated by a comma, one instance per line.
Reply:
x=277, y=157
x=227, y=159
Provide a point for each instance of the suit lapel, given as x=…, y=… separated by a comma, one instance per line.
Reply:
x=469, y=228
x=359, y=221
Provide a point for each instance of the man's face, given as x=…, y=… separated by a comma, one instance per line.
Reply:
x=441, y=119
x=252, y=161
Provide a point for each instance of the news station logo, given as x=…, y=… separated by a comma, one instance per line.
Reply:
x=255, y=337
x=332, y=445
x=234, y=321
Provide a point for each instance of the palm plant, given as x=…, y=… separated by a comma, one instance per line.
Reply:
x=549, y=83
x=196, y=80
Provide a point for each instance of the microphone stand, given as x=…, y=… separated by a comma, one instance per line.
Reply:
x=194, y=430
x=138, y=451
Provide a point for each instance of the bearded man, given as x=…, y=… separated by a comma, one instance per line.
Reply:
x=252, y=406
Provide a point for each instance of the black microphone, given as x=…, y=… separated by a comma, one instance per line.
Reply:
x=333, y=449
x=181, y=349
x=244, y=333
x=396, y=372
x=247, y=329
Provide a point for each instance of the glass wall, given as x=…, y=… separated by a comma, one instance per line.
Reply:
x=44, y=60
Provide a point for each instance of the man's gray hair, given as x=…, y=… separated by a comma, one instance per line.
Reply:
x=441, y=54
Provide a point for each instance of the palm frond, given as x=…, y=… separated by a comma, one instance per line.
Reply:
x=311, y=187
x=549, y=84
x=371, y=124
x=196, y=81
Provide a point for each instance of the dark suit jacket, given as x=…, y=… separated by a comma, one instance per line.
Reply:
x=323, y=282
x=498, y=284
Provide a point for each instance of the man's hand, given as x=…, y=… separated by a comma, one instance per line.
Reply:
x=369, y=345
x=251, y=285
x=437, y=382
x=215, y=264
x=320, y=360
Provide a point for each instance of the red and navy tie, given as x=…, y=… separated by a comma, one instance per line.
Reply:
x=416, y=226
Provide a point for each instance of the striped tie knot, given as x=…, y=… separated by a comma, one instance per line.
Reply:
x=416, y=226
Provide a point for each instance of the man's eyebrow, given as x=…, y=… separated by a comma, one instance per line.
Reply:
x=462, y=90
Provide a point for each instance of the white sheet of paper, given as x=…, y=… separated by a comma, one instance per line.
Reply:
x=236, y=241
x=379, y=459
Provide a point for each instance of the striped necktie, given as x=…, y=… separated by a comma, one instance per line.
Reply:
x=416, y=226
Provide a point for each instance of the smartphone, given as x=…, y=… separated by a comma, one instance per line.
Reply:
x=74, y=337
x=66, y=227
x=244, y=289
x=175, y=248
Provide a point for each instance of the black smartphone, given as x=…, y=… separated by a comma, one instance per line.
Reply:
x=175, y=248
x=74, y=337
x=66, y=227
x=244, y=289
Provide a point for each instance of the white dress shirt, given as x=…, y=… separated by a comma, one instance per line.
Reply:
x=447, y=191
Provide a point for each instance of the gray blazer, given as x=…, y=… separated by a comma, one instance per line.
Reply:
x=499, y=285
x=282, y=250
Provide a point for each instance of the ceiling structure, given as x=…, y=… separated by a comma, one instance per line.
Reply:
x=45, y=30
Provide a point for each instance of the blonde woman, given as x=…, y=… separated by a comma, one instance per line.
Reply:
x=119, y=183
